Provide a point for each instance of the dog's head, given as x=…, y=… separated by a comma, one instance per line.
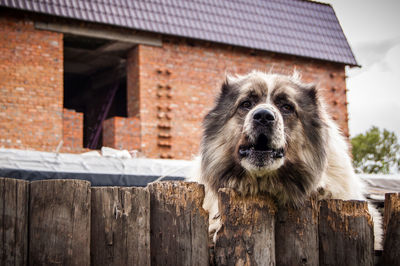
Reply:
x=262, y=123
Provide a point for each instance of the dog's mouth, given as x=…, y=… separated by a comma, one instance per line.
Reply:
x=260, y=149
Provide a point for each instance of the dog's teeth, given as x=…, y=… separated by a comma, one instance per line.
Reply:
x=243, y=152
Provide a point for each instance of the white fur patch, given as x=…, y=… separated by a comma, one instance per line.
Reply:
x=262, y=171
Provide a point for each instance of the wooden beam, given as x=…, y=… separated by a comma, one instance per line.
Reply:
x=14, y=196
x=179, y=224
x=247, y=234
x=59, y=215
x=120, y=231
x=296, y=234
x=114, y=47
x=98, y=32
x=346, y=234
x=391, y=248
x=392, y=205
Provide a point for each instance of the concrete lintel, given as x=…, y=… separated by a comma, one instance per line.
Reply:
x=135, y=38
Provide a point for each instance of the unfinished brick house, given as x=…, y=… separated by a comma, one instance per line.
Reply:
x=150, y=69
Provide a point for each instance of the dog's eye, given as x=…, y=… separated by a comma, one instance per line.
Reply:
x=287, y=108
x=246, y=105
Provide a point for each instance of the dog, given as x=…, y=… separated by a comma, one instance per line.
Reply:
x=271, y=133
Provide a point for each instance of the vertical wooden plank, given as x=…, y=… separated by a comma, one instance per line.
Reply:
x=120, y=229
x=296, y=235
x=59, y=232
x=179, y=224
x=247, y=233
x=13, y=221
x=345, y=233
x=391, y=248
x=392, y=205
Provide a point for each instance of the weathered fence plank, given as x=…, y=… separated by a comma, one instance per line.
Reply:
x=179, y=224
x=391, y=249
x=13, y=221
x=165, y=224
x=392, y=205
x=120, y=229
x=59, y=222
x=247, y=233
x=296, y=235
x=345, y=233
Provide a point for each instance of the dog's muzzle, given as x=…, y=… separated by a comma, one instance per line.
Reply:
x=258, y=146
x=260, y=149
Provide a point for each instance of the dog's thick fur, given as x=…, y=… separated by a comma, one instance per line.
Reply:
x=270, y=133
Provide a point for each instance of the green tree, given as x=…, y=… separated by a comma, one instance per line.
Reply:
x=376, y=151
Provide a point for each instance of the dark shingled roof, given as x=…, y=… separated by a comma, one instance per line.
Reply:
x=295, y=27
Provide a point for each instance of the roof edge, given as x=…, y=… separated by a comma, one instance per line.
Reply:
x=194, y=38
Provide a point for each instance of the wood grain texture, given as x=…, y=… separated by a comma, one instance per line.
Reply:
x=247, y=233
x=392, y=204
x=391, y=248
x=120, y=230
x=13, y=221
x=296, y=235
x=179, y=224
x=59, y=222
x=345, y=233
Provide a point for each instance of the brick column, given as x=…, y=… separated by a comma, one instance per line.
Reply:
x=72, y=131
x=122, y=133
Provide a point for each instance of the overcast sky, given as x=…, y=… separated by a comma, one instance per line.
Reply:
x=372, y=28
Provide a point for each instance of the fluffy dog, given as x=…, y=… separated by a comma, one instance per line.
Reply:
x=270, y=133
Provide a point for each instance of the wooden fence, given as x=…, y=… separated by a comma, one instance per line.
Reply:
x=68, y=222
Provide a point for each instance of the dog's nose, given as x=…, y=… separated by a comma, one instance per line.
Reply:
x=264, y=116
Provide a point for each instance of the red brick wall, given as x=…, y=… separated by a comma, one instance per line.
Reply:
x=72, y=131
x=178, y=83
x=122, y=133
x=31, y=86
x=169, y=88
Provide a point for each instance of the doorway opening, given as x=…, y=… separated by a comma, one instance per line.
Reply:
x=95, y=82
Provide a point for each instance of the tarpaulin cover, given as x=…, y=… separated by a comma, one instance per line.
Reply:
x=110, y=170
x=377, y=185
x=117, y=168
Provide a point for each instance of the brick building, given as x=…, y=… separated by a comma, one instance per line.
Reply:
x=151, y=69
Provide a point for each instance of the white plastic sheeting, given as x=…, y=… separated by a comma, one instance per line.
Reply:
x=114, y=167
x=117, y=168
x=379, y=184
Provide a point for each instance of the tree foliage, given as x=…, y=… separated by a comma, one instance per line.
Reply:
x=376, y=151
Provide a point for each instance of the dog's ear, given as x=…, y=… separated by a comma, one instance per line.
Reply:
x=309, y=98
x=227, y=85
x=311, y=92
